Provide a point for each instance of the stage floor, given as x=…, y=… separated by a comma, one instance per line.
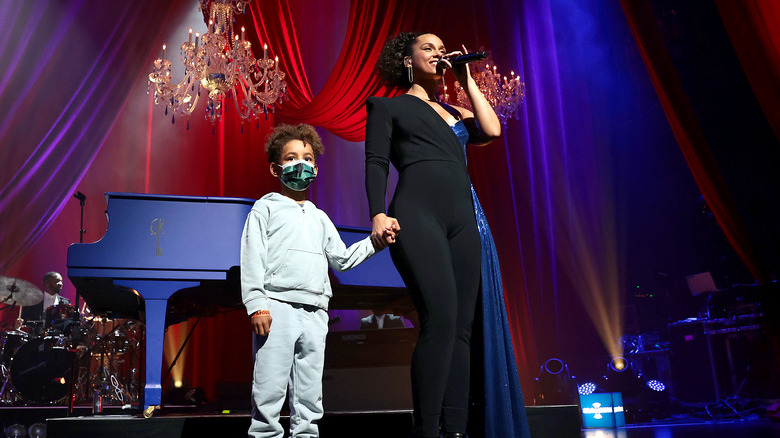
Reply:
x=365, y=424
x=691, y=428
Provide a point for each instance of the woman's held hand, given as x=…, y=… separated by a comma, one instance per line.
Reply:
x=384, y=230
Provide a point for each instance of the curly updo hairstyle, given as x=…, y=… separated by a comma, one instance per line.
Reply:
x=390, y=65
x=283, y=134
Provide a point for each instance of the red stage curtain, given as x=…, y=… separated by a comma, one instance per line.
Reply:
x=687, y=131
x=273, y=25
x=340, y=106
x=754, y=29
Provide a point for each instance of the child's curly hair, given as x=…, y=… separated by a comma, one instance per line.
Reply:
x=283, y=134
x=390, y=65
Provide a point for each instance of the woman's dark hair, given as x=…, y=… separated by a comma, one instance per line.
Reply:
x=390, y=65
x=283, y=134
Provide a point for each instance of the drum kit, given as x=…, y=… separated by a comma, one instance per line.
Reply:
x=41, y=362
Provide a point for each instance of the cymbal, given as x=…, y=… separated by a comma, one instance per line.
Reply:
x=15, y=291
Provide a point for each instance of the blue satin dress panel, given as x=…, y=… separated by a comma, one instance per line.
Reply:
x=504, y=407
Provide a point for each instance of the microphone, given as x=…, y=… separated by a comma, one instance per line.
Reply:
x=80, y=196
x=469, y=57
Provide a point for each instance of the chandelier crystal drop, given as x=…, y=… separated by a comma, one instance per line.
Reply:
x=222, y=64
x=505, y=95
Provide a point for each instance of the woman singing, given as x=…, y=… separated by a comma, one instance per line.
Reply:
x=445, y=254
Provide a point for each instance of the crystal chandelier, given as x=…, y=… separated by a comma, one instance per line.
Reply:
x=223, y=65
x=504, y=94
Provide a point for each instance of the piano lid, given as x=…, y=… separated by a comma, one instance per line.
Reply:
x=165, y=234
x=165, y=237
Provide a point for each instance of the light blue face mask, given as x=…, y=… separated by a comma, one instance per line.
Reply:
x=297, y=175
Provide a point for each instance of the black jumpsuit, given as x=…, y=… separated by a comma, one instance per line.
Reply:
x=437, y=252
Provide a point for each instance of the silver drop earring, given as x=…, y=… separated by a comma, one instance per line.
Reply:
x=410, y=74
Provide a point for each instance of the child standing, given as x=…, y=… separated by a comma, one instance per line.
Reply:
x=286, y=248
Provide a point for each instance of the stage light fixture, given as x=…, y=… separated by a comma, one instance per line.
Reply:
x=555, y=366
x=656, y=403
x=618, y=364
x=621, y=377
x=37, y=430
x=644, y=399
x=587, y=388
x=655, y=385
x=15, y=431
x=555, y=386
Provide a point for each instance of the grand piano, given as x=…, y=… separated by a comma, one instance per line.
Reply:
x=165, y=258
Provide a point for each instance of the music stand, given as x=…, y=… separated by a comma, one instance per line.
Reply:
x=701, y=283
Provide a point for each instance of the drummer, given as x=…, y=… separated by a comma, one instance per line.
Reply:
x=52, y=285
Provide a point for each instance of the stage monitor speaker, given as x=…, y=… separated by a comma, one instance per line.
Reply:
x=368, y=370
x=690, y=363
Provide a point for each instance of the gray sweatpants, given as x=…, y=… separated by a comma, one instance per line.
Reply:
x=290, y=359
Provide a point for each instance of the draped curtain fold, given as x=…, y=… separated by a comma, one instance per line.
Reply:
x=339, y=106
x=273, y=25
x=59, y=103
x=688, y=132
x=753, y=28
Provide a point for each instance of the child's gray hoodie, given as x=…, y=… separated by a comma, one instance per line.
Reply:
x=286, y=248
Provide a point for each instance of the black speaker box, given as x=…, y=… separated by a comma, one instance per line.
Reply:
x=691, y=363
x=712, y=359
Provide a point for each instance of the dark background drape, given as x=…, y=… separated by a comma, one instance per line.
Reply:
x=687, y=131
x=753, y=31
x=591, y=202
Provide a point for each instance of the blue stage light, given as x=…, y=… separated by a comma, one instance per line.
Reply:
x=587, y=388
x=655, y=385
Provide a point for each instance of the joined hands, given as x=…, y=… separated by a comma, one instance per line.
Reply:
x=384, y=230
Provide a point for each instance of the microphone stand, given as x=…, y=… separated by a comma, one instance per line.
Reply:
x=82, y=200
x=74, y=372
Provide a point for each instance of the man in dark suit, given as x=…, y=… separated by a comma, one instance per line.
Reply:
x=34, y=315
x=381, y=320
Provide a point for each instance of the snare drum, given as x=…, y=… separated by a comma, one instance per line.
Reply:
x=10, y=342
x=41, y=370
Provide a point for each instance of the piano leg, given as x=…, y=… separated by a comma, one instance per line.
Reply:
x=155, y=324
x=156, y=294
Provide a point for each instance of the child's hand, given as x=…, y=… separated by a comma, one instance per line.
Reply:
x=261, y=322
x=383, y=241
